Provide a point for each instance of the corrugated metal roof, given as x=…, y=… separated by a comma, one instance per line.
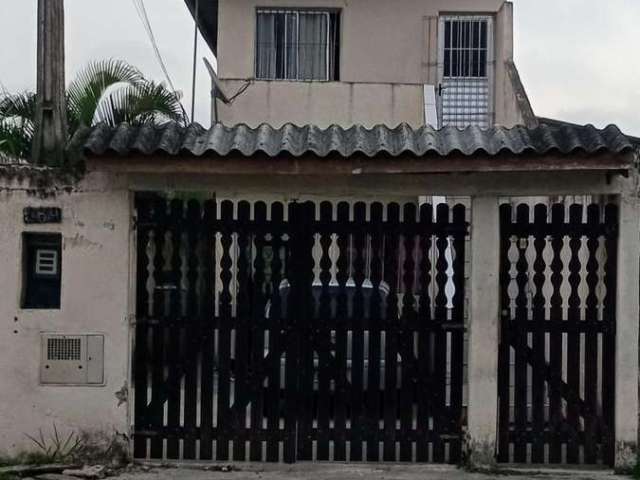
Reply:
x=174, y=140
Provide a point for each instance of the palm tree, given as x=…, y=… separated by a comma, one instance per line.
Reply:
x=109, y=91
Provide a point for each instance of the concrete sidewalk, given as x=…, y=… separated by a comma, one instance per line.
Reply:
x=303, y=471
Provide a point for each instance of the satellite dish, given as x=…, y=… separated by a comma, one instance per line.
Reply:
x=218, y=91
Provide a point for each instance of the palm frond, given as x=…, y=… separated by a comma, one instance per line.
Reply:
x=90, y=85
x=147, y=102
x=15, y=140
x=18, y=109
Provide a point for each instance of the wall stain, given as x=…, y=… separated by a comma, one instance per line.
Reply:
x=80, y=241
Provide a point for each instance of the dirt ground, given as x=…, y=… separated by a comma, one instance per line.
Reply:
x=355, y=472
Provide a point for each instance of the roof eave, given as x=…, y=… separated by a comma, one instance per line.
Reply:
x=207, y=21
x=335, y=165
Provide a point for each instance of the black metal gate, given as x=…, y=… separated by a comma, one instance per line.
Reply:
x=306, y=332
x=557, y=352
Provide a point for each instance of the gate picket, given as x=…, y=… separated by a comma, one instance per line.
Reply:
x=457, y=335
x=224, y=335
x=209, y=325
x=375, y=319
x=391, y=334
x=144, y=212
x=158, y=329
x=425, y=331
x=438, y=404
x=257, y=350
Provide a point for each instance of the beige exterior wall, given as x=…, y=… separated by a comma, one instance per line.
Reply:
x=388, y=51
x=95, y=288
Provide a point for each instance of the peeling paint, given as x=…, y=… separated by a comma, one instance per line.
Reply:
x=80, y=241
x=480, y=455
x=123, y=394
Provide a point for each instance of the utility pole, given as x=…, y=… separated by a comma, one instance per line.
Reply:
x=51, y=115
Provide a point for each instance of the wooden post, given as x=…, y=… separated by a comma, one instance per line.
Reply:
x=51, y=117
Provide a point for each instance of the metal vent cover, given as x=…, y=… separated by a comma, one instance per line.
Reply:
x=72, y=359
x=63, y=348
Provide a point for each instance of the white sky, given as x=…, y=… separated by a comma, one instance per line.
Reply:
x=579, y=59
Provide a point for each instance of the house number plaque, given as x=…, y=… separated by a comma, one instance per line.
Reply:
x=42, y=215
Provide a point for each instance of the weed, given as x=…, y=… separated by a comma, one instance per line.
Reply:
x=56, y=448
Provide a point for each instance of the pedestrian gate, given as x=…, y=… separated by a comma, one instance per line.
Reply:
x=557, y=352
x=299, y=332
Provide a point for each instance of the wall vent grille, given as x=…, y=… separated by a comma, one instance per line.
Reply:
x=68, y=349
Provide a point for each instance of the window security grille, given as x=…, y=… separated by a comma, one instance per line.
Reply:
x=297, y=45
x=64, y=349
x=466, y=66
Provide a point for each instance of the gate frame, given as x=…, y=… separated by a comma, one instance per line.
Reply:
x=483, y=179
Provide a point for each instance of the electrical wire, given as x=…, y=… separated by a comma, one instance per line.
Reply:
x=146, y=23
x=195, y=59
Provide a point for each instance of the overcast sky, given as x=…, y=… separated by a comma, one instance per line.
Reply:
x=579, y=59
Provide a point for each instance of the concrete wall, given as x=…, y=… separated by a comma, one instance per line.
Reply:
x=95, y=286
x=388, y=51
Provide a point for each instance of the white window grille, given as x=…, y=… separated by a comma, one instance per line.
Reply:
x=296, y=44
x=466, y=68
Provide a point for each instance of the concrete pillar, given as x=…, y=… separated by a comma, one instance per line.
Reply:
x=628, y=316
x=484, y=331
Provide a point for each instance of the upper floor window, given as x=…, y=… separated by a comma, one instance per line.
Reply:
x=466, y=71
x=297, y=44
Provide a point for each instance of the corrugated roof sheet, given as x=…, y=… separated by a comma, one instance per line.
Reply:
x=174, y=140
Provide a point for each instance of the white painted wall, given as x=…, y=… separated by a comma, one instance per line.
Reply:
x=95, y=284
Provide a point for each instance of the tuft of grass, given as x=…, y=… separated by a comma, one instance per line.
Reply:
x=635, y=473
x=56, y=448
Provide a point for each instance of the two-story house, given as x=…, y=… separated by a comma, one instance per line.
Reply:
x=334, y=270
x=366, y=62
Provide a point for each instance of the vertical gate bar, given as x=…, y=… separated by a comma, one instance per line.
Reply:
x=391, y=332
x=143, y=212
x=176, y=368
x=224, y=336
x=258, y=328
x=342, y=276
x=304, y=309
x=274, y=398
x=407, y=327
x=591, y=339
x=241, y=323
x=424, y=335
x=609, y=371
x=358, y=322
x=504, y=351
x=323, y=335
x=539, y=362
x=208, y=324
x=193, y=333
x=293, y=336
x=521, y=318
x=158, y=387
x=441, y=422
x=457, y=334
x=573, y=338
x=374, y=357
x=556, y=418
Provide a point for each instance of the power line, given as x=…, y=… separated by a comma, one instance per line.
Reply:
x=144, y=18
x=195, y=59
